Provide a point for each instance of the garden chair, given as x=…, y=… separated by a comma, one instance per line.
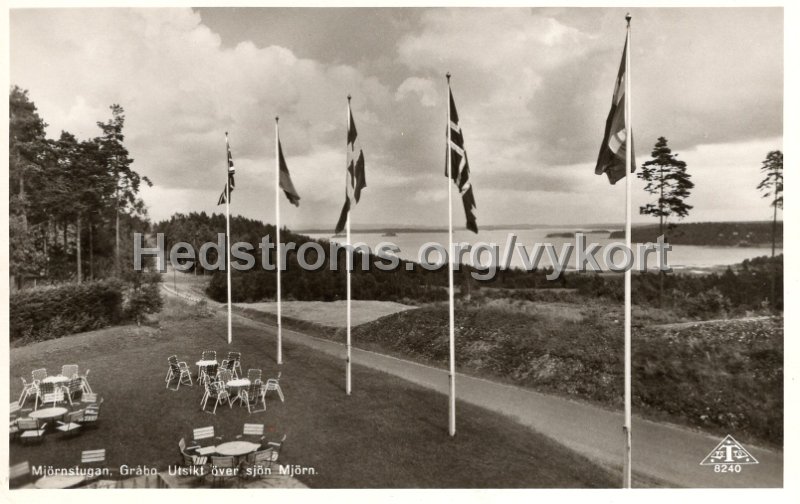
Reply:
x=224, y=375
x=19, y=476
x=262, y=395
x=56, y=396
x=208, y=373
x=69, y=370
x=230, y=365
x=30, y=429
x=93, y=459
x=91, y=414
x=224, y=467
x=258, y=464
x=275, y=384
x=74, y=386
x=38, y=375
x=85, y=381
x=172, y=359
x=202, y=434
x=181, y=373
x=236, y=357
x=253, y=375
x=276, y=447
x=200, y=461
x=209, y=355
x=28, y=389
x=219, y=394
x=72, y=424
x=254, y=432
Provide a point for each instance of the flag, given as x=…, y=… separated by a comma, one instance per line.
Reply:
x=611, y=159
x=356, y=180
x=460, y=167
x=285, y=181
x=231, y=171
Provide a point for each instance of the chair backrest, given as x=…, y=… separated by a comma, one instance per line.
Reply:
x=27, y=423
x=203, y=432
x=56, y=395
x=252, y=429
x=47, y=388
x=253, y=374
x=19, y=470
x=75, y=384
x=224, y=375
x=263, y=455
x=89, y=397
x=93, y=456
x=75, y=416
x=225, y=462
x=174, y=367
x=69, y=370
x=234, y=356
x=209, y=355
x=230, y=364
x=172, y=358
x=39, y=374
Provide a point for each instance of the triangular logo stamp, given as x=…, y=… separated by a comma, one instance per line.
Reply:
x=729, y=451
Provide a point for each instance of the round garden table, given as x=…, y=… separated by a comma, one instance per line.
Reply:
x=59, y=481
x=48, y=413
x=56, y=379
x=237, y=448
x=202, y=365
x=234, y=386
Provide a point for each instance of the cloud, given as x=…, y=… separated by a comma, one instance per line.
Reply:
x=532, y=87
x=424, y=88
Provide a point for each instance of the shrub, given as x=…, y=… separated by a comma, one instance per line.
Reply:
x=51, y=312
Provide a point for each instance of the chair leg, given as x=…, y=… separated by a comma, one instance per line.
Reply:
x=280, y=393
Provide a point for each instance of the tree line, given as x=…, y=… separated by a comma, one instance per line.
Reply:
x=74, y=203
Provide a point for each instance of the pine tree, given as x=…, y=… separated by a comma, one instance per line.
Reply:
x=667, y=179
x=772, y=187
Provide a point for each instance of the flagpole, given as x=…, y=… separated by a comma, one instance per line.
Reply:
x=228, y=235
x=626, y=477
x=278, y=236
x=348, y=386
x=452, y=403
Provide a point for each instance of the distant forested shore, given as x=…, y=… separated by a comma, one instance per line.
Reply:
x=720, y=234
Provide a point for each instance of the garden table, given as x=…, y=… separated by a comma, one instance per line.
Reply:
x=234, y=386
x=48, y=413
x=236, y=448
x=56, y=379
x=202, y=365
x=59, y=481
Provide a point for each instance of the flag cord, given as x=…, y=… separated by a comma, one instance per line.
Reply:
x=279, y=355
x=452, y=398
x=628, y=157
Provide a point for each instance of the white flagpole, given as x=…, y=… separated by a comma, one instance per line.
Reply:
x=348, y=387
x=278, y=236
x=452, y=408
x=626, y=478
x=228, y=234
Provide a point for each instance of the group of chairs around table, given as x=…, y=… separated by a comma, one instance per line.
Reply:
x=53, y=389
x=223, y=383
x=202, y=458
x=20, y=475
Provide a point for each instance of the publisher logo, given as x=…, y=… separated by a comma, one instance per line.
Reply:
x=728, y=457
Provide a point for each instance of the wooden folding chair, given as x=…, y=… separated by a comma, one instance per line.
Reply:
x=252, y=431
x=69, y=370
x=72, y=424
x=30, y=429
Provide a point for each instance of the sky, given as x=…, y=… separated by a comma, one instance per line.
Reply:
x=533, y=87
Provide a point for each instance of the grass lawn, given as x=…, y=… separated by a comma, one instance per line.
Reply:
x=331, y=313
x=389, y=433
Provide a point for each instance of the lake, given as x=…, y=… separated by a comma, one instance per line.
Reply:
x=681, y=257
